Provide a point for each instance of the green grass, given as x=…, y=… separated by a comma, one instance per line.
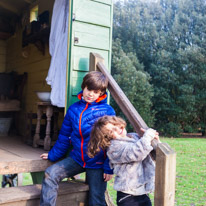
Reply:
x=190, y=172
x=27, y=179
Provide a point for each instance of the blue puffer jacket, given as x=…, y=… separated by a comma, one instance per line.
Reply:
x=76, y=130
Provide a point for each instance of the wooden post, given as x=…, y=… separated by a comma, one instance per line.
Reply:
x=37, y=131
x=165, y=156
x=19, y=179
x=165, y=176
x=108, y=199
x=94, y=59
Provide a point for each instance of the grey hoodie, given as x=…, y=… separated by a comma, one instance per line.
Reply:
x=132, y=164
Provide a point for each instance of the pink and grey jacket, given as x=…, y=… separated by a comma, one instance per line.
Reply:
x=76, y=129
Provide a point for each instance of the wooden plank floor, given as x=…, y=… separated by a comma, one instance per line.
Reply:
x=17, y=157
x=69, y=193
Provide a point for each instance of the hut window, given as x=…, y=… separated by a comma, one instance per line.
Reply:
x=34, y=13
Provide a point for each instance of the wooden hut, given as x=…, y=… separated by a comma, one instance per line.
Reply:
x=25, y=27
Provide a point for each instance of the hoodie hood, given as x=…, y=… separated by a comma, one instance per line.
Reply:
x=102, y=98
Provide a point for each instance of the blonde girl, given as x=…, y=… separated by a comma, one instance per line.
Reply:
x=129, y=157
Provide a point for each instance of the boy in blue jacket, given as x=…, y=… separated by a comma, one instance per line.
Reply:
x=75, y=131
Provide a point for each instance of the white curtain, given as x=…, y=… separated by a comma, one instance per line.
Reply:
x=58, y=50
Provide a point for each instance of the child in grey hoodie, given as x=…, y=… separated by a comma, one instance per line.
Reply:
x=129, y=157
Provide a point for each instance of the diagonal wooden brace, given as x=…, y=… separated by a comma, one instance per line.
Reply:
x=96, y=61
x=165, y=157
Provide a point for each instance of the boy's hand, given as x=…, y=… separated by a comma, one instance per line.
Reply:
x=44, y=156
x=107, y=177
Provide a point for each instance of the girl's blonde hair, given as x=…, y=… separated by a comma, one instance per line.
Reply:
x=100, y=137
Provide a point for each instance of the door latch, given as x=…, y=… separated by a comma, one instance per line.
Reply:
x=76, y=40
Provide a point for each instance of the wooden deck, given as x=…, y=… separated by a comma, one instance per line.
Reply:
x=17, y=157
x=70, y=193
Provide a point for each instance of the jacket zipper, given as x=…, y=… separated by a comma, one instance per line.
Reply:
x=80, y=131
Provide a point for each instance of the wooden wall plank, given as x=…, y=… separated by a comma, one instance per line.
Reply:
x=2, y=43
x=81, y=58
x=2, y=67
x=2, y=56
x=75, y=191
x=92, y=12
x=20, y=166
x=2, y=50
x=104, y=1
x=92, y=36
x=36, y=64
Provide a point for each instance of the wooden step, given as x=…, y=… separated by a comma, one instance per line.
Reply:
x=17, y=157
x=70, y=193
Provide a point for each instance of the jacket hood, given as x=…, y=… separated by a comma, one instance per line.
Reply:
x=102, y=98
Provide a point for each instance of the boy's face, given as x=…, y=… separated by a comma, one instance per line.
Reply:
x=116, y=130
x=91, y=95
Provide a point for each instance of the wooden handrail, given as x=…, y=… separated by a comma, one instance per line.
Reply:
x=165, y=173
x=120, y=98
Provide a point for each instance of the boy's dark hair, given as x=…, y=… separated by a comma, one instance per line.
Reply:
x=95, y=81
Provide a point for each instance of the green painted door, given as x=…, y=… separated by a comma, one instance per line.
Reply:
x=90, y=31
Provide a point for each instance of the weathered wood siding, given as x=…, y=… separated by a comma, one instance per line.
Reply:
x=36, y=65
x=2, y=56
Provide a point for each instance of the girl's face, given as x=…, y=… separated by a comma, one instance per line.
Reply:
x=116, y=130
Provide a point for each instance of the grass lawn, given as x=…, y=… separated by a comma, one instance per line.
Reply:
x=191, y=170
x=190, y=176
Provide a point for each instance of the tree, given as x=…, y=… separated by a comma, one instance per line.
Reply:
x=130, y=76
x=168, y=40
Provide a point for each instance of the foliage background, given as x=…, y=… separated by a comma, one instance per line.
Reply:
x=159, y=61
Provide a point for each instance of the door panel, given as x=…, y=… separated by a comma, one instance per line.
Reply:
x=92, y=12
x=104, y=1
x=90, y=31
x=92, y=36
x=81, y=58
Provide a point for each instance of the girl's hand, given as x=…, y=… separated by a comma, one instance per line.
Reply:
x=153, y=134
x=157, y=137
x=44, y=156
x=107, y=177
